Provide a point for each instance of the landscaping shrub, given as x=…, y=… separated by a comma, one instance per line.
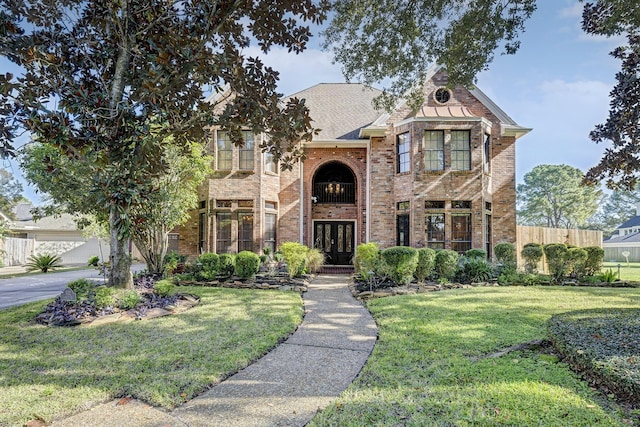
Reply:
x=81, y=287
x=295, y=256
x=93, y=261
x=446, y=263
x=608, y=276
x=227, y=264
x=164, y=288
x=171, y=261
x=426, y=264
x=367, y=260
x=43, y=262
x=247, y=264
x=315, y=260
x=576, y=257
x=599, y=344
x=206, y=266
x=474, y=270
x=595, y=258
x=104, y=297
x=476, y=253
x=402, y=262
x=506, y=255
x=556, y=254
x=128, y=299
x=532, y=254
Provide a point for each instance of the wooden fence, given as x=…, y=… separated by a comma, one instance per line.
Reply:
x=544, y=235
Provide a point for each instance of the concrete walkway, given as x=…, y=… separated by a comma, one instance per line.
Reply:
x=284, y=388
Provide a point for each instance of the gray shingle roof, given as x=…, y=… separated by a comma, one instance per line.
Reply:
x=627, y=238
x=631, y=222
x=340, y=110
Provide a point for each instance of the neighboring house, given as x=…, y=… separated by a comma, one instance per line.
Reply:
x=439, y=177
x=51, y=235
x=625, y=239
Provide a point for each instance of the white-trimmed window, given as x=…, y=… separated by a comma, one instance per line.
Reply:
x=461, y=150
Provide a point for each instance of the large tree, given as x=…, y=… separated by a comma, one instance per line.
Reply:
x=97, y=75
x=614, y=209
x=10, y=192
x=554, y=196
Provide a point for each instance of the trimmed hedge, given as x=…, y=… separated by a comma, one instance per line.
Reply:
x=557, y=255
x=295, y=256
x=227, y=264
x=207, y=266
x=426, y=264
x=532, y=254
x=602, y=344
x=446, y=263
x=367, y=260
x=401, y=262
x=247, y=264
x=595, y=258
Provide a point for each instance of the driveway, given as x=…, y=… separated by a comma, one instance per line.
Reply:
x=24, y=289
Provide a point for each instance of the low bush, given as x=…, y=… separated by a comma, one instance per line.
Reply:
x=426, y=264
x=315, y=260
x=247, y=264
x=164, y=288
x=595, y=258
x=43, y=263
x=446, y=263
x=476, y=254
x=516, y=278
x=599, y=344
x=295, y=256
x=93, y=261
x=401, y=262
x=227, y=264
x=128, y=299
x=532, y=254
x=82, y=288
x=206, y=266
x=104, y=297
x=474, y=270
x=608, y=276
x=367, y=260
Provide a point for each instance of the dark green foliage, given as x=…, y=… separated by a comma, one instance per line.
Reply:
x=401, y=262
x=207, y=266
x=295, y=256
x=446, y=263
x=532, y=254
x=426, y=264
x=474, y=270
x=515, y=278
x=93, y=261
x=595, y=258
x=576, y=258
x=43, y=263
x=128, y=299
x=82, y=288
x=247, y=264
x=602, y=344
x=557, y=255
x=367, y=260
x=506, y=255
x=609, y=276
x=104, y=297
x=164, y=288
x=476, y=253
x=227, y=264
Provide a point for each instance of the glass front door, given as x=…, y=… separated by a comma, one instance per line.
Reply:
x=335, y=239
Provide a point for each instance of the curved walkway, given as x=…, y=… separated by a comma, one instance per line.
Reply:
x=284, y=388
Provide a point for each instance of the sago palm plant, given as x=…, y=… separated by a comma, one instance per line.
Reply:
x=43, y=262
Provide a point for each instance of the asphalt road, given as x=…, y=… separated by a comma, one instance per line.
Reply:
x=24, y=289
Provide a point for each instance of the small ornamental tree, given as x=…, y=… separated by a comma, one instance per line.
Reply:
x=557, y=255
x=532, y=254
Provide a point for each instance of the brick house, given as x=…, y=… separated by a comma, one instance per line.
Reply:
x=440, y=177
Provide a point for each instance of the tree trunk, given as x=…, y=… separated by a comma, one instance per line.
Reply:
x=120, y=274
x=153, y=247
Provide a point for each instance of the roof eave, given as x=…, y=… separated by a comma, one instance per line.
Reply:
x=515, y=131
x=336, y=143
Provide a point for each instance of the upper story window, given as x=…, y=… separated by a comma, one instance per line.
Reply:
x=225, y=148
x=270, y=163
x=460, y=150
x=434, y=150
x=224, y=152
x=487, y=153
x=403, y=161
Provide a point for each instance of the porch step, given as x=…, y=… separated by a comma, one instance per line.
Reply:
x=337, y=269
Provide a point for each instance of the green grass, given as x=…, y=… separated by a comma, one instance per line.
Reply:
x=629, y=271
x=428, y=367
x=54, y=372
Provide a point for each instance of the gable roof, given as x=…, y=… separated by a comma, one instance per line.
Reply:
x=339, y=110
x=635, y=221
x=627, y=238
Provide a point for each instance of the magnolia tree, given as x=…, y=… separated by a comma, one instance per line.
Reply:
x=96, y=76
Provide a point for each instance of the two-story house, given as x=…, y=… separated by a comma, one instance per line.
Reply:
x=439, y=177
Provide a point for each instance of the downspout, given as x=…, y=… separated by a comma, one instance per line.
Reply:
x=301, y=200
x=367, y=194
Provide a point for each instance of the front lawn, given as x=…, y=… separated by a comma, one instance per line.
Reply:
x=51, y=372
x=629, y=271
x=429, y=367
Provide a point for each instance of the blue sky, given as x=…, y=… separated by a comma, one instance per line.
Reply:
x=558, y=83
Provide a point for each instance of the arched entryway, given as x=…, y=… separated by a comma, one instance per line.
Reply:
x=334, y=219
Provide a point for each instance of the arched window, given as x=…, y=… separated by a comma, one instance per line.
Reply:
x=334, y=183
